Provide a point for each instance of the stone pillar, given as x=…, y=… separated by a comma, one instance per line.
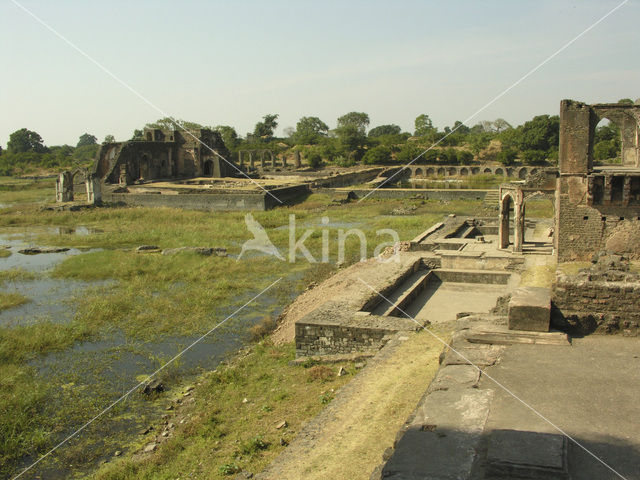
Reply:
x=284, y=160
x=240, y=159
x=251, y=161
x=94, y=190
x=122, y=180
x=606, y=197
x=518, y=227
x=576, y=122
x=626, y=191
x=64, y=187
x=296, y=159
x=262, y=159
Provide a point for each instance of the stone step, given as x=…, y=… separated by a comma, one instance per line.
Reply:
x=527, y=455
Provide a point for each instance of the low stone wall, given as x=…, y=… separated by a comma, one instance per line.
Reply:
x=424, y=194
x=211, y=201
x=348, y=178
x=584, y=306
x=336, y=329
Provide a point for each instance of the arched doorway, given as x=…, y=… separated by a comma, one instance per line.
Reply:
x=144, y=167
x=207, y=168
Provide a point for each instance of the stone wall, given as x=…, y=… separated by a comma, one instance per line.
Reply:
x=425, y=194
x=338, y=339
x=583, y=306
x=211, y=201
x=583, y=230
x=348, y=178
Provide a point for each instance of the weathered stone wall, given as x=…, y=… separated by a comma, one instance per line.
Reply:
x=584, y=306
x=583, y=230
x=211, y=201
x=313, y=339
x=346, y=179
x=426, y=194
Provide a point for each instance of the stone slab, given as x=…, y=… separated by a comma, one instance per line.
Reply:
x=425, y=455
x=455, y=376
x=477, y=354
x=530, y=309
x=527, y=455
x=460, y=409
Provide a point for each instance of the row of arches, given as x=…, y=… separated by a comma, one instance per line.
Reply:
x=443, y=171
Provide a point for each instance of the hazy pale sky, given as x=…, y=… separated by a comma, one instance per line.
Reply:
x=232, y=62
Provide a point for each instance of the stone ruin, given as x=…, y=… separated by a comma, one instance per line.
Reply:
x=596, y=205
x=65, y=187
x=164, y=154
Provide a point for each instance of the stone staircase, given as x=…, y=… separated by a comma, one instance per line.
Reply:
x=492, y=199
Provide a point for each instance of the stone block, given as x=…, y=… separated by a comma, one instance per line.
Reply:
x=530, y=309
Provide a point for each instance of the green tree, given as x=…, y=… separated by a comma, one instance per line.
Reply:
x=625, y=101
x=377, y=156
x=384, y=130
x=24, y=140
x=310, y=130
x=169, y=123
x=424, y=126
x=265, y=129
x=109, y=139
x=351, y=132
x=229, y=136
x=534, y=157
x=354, y=120
x=87, y=139
x=507, y=156
x=137, y=134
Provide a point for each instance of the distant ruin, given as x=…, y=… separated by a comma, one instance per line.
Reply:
x=164, y=154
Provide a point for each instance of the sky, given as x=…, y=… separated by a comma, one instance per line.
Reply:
x=232, y=62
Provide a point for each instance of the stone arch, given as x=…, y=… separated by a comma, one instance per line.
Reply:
x=144, y=166
x=452, y=171
x=464, y=171
x=523, y=173
x=475, y=170
x=488, y=170
x=499, y=171
x=509, y=172
x=418, y=171
x=431, y=171
x=441, y=172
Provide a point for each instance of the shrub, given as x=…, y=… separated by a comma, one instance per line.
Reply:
x=315, y=160
x=507, y=156
x=263, y=328
x=534, y=157
x=464, y=157
x=320, y=372
x=377, y=155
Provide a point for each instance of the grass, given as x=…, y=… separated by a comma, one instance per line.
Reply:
x=16, y=191
x=10, y=300
x=228, y=434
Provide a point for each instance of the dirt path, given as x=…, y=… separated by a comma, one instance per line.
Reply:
x=347, y=439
